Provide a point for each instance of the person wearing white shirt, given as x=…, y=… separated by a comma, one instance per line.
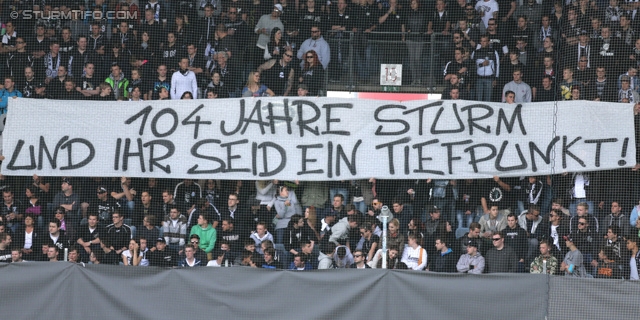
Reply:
x=414, y=256
x=183, y=80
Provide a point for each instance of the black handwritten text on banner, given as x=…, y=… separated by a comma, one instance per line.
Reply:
x=314, y=139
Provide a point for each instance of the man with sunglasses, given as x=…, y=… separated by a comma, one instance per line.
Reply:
x=500, y=258
x=317, y=44
x=359, y=259
x=278, y=74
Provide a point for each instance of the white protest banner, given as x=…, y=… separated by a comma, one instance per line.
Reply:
x=314, y=138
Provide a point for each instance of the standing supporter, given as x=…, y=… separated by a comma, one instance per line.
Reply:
x=161, y=81
x=206, y=232
x=392, y=21
x=317, y=44
x=183, y=80
x=80, y=57
x=521, y=90
x=263, y=29
x=487, y=63
x=19, y=59
x=119, y=84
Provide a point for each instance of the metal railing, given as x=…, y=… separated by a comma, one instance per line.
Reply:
x=347, y=74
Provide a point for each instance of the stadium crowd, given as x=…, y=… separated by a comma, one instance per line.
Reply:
x=578, y=224
x=474, y=226
x=131, y=50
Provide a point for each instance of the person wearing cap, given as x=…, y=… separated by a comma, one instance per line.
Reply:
x=66, y=198
x=472, y=261
x=104, y=206
x=572, y=265
x=263, y=29
x=162, y=256
x=303, y=90
x=626, y=94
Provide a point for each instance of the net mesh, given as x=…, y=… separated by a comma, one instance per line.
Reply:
x=505, y=51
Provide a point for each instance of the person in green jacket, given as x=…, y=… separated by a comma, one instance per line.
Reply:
x=206, y=232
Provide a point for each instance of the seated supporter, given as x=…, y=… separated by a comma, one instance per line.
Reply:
x=608, y=267
x=162, y=256
x=472, y=261
x=190, y=260
x=414, y=256
x=544, y=263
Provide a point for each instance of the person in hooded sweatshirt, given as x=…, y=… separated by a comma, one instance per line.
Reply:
x=444, y=260
x=119, y=84
x=183, y=80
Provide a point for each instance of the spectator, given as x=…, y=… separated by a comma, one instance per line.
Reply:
x=444, y=260
x=87, y=85
x=263, y=29
x=206, y=233
x=414, y=256
x=359, y=258
x=572, y=265
x=133, y=255
x=626, y=94
x=545, y=263
x=175, y=229
x=500, y=258
x=487, y=61
x=633, y=242
x=530, y=220
x=617, y=218
x=278, y=74
x=516, y=238
x=472, y=261
x=190, y=260
x=183, y=80
x=487, y=9
x=521, y=90
x=118, y=233
x=162, y=256
x=8, y=92
x=254, y=88
x=601, y=88
x=317, y=46
x=119, y=84
x=312, y=73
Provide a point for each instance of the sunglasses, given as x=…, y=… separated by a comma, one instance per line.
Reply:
x=309, y=57
x=288, y=55
x=496, y=239
x=194, y=242
x=581, y=223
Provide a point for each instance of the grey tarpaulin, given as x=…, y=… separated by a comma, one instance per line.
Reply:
x=573, y=298
x=61, y=290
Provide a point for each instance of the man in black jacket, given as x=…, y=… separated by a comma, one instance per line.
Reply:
x=445, y=260
x=516, y=238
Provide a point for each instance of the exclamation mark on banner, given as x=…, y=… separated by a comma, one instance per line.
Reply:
x=624, y=152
